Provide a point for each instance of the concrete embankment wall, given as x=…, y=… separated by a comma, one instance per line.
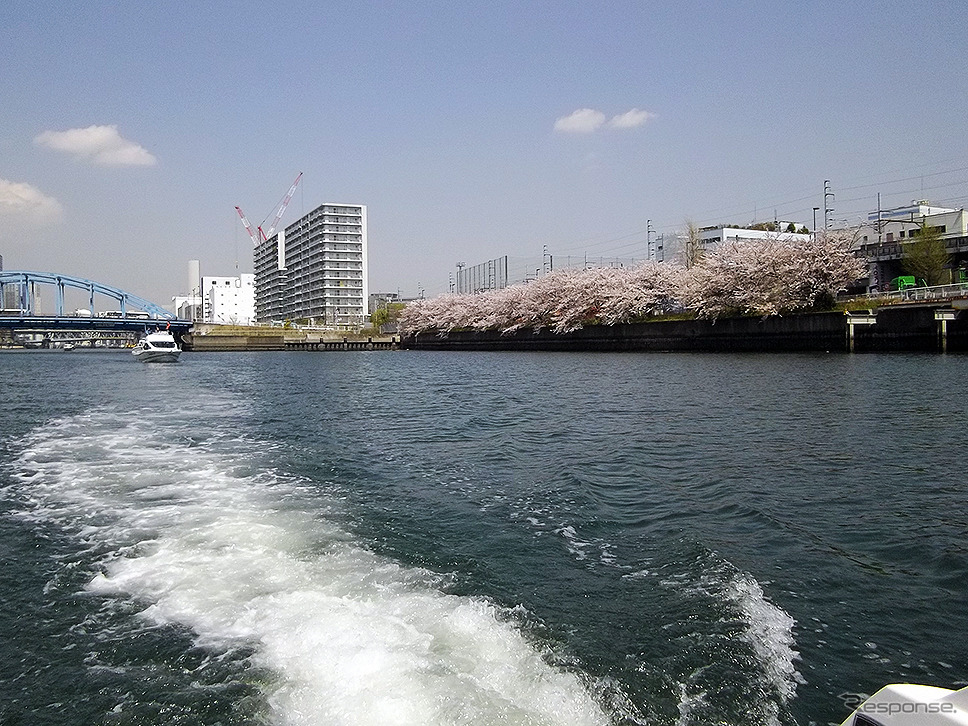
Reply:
x=233, y=342
x=209, y=337
x=897, y=328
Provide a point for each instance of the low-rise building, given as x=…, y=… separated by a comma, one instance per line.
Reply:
x=228, y=300
x=381, y=300
x=711, y=237
x=187, y=307
x=897, y=225
x=882, y=240
x=681, y=248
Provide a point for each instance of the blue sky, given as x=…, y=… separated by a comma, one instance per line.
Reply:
x=129, y=131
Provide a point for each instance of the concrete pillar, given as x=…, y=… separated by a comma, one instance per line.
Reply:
x=854, y=319
x=943, y=316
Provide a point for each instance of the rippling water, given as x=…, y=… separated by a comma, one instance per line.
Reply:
x=433, y=538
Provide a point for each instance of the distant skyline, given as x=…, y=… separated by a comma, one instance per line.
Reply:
x=129, y=132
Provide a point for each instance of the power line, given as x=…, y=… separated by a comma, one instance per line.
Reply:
x=905, y=179
x=637, y=238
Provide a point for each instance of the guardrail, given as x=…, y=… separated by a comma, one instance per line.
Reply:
x=935, y=292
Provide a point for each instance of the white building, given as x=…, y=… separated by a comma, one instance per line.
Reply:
x=315, y=269
x=187, y=307
x=897, y=225
x=882, y=240
x=713, y=236
x=675, y=245
x=228, y=300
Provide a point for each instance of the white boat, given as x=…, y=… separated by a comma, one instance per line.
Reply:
x=157, y=347
x=906, y=704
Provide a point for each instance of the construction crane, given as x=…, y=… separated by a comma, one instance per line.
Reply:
x=265, y=235
x=248, y=227
x=282, y=207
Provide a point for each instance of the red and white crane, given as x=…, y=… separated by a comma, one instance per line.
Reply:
x=248, y=227
x=262, y=235
x=282, y=207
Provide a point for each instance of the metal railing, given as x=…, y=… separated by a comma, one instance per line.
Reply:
x=935, y=292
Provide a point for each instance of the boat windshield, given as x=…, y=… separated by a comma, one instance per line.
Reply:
x=162, y=344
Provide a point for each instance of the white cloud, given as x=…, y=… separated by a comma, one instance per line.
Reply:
x=630, y=119
x=22, y=202
x=582, y=121
x=588, y=120
x=100, y=144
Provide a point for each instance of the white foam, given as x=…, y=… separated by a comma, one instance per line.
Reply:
x=770, y=631
x=575, y=545
x=765, y=628
x=689, y=705
x=246, y=560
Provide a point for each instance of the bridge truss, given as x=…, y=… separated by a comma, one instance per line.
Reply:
x=25, y=282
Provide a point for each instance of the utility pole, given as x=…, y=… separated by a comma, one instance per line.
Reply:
x=878, y=218
x=648, y=239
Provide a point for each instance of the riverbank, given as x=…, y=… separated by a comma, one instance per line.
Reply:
x=918, y=327
x=211, y=337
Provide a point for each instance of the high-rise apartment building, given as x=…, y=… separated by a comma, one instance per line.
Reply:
x=315, y=269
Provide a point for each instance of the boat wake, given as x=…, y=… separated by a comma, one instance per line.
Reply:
x=207, y=537
x=750, y=635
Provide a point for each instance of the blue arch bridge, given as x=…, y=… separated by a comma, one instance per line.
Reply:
x=112, y=316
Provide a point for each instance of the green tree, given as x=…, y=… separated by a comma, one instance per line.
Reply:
x=925, y=256
x=386, y=314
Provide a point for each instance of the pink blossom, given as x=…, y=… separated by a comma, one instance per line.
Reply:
x=758, y=277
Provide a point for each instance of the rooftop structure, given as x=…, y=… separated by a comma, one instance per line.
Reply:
x=913, y=212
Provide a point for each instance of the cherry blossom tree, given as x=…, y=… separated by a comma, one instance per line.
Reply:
x=771, y=276
x=747, y=277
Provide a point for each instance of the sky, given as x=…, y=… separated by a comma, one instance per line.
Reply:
x=129, y=131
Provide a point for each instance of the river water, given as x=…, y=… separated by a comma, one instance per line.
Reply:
x=477, y=538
